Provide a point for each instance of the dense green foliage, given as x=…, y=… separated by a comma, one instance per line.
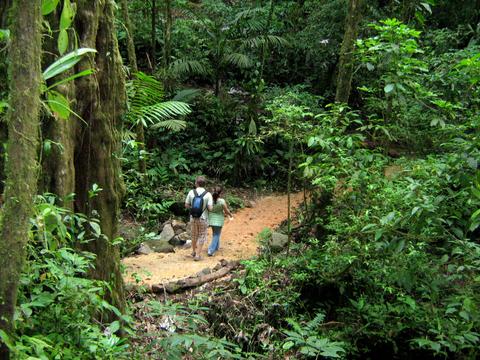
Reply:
x=385, y=257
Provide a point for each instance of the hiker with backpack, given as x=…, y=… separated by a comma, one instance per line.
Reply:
x=199, y=201
x=216, y=219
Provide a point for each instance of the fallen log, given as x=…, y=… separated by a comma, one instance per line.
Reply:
x=191, y=282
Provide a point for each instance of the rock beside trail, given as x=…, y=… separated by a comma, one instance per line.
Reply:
x=178, y=226
x=180, y=239
x=249, y=203
x=167, y=233
x=160, y=246
x=144, y=249
x=278, y=241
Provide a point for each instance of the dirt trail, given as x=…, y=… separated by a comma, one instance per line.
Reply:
x=238, y=241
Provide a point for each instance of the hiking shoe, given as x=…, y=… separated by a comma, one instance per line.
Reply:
x=197, y=258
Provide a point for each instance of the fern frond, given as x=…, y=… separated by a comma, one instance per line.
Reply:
x=315, y=322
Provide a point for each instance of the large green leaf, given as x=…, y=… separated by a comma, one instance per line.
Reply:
x=66, y=62
x=49, y=6
x=62, y=41
x=58, y=104
x=68, y=13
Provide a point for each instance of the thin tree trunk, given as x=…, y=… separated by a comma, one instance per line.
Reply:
x=346, y=62
x=101, y=105
x=289, y=193
x=154, y=35
x=167, y=44
x=132, y=56
x=267, y=28
x=132, y=60
x=21, y=165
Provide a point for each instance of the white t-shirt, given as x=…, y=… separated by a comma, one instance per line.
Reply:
x=207, y=201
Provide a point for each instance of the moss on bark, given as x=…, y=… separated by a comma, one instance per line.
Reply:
x=21, y=165
x=101, y=103
x=346, y=61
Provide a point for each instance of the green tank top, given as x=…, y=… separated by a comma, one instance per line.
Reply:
x=216, y=217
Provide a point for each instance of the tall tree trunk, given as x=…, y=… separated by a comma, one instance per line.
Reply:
x=132, y=56
x=346, y=62
x=21, y=165
x=154, y=35
x=101, y=105
x=267, y=28
x=167, y=44
x=132, y=60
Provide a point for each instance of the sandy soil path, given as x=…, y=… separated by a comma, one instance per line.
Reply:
x=238, y=241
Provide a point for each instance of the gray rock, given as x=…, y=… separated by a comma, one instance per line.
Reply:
x=249, y=203
x=189, y=228
x=176, y=241
x=184, y=236
x=167, y=233
x=160, y=246
x=178, y=226
x=144, y=249
x=278, y=241
x=180, y=239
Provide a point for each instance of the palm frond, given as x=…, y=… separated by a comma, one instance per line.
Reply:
x=187, y=95
x=162, y=111
x=238, y=59
x=262, y=40
x=250, y=15
x=183, y=67
x=172, y=125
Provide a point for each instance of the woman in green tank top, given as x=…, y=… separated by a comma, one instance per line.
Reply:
x=216, y=219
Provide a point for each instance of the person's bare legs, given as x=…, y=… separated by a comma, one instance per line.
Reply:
x=194, y=247
x=199, y=251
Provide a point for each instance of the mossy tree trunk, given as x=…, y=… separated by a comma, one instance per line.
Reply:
x=132, y=61
x=101, y=105
x=21, y=166
x=4, y=7
x=346, y=61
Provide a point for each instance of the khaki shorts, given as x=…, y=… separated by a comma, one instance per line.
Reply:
x=199, y=231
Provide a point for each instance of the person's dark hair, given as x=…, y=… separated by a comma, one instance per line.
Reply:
x=216, y=193
x=200, y=181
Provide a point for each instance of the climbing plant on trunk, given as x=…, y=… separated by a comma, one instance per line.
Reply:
x=346, y=61
x=21, y=165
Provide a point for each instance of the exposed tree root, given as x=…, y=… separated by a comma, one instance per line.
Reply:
x=194, y=281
